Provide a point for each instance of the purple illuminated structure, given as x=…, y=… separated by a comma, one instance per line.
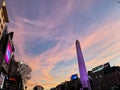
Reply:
x=82, y=69
x=8, y=52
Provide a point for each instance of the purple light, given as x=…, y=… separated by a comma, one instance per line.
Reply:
x=82, y=68
x=8, y=52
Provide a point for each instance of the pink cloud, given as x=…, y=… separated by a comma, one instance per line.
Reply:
x=57, y=53
x=104, y=36
x=44, y=62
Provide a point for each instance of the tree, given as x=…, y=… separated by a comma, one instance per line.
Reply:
x=18, y=68
x=25, y=71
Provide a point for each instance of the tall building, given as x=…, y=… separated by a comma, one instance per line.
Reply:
x=82, y=68
x=105, y=77
x=3, y=16
x=3, y=21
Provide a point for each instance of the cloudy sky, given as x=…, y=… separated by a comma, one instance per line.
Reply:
x=46, y=31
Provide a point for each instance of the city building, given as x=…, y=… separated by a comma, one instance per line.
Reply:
x=68, y=85
x=5, y=58
x=3, y=16
x=73, y=84
x=102, y=77
x=13, y=83
x=105, y=77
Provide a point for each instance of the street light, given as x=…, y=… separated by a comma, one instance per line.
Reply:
x=21, y=62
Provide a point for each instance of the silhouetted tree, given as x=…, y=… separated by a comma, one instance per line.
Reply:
x=25, y=71
x=18, y=68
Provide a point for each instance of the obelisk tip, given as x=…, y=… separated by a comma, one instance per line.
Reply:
x=77, y=41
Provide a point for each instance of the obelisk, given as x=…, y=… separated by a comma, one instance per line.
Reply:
x=82, y=68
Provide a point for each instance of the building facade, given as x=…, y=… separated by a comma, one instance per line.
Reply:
x=73, y=84
x=3, y=16
x=3, y=21
x=105, y=77
x=69, y=85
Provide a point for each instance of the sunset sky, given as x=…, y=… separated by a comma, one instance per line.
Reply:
x=45, y=32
